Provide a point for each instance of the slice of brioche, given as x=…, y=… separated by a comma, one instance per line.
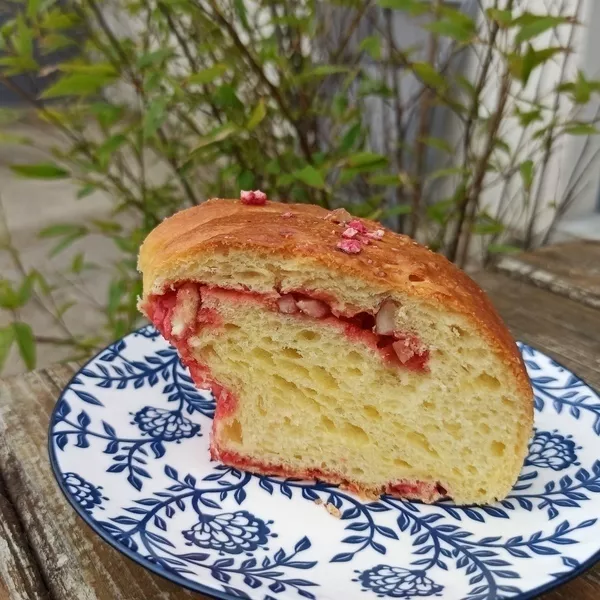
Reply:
x=339, y=350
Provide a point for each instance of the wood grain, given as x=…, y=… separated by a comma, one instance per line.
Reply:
x=47, y=552
x=571, y=269
x=73, y=561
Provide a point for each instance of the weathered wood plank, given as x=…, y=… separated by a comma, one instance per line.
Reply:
x=562, y=328
x=20, y=578
x=571, y=269
x=75, y=563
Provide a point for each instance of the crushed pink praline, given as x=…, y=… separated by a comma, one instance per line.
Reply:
x=253, y=197
x=349, y=246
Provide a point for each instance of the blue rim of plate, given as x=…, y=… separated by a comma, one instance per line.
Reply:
x=210, y=591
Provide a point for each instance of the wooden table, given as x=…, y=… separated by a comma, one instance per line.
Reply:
x=46, y=551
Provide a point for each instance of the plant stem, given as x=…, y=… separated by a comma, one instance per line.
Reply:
x=549, y=138
x=423, y=132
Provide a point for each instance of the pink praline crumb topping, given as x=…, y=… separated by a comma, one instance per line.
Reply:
x=349, y=246
x=287, y=215
x=253, y=197
x=356, y=224
x=350, y=232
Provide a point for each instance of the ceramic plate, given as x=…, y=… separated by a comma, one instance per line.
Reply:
x=129, y=447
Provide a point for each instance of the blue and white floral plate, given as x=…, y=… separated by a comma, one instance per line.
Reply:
x=129, y=447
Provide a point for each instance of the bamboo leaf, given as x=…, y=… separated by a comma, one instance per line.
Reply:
x=25, y=339
x=216, y=135
x=40, y=171
x=151, y=59
x=7, y=336
x=503, y=17
x=155, y=116
x=447, y=172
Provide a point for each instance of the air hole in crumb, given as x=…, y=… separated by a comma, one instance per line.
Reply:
x=498, y=448
x=427, y=405
x=291, y=353
x=231, y=327
x=402, y=463
x=355, y=371
x=298, y=456
x=309, y=336
x=483, y=491
x=357, y=471
x=472, y=470
x=329, y=424
x=233, y=432
x=356, y=433
x=372, y=412
x=416, y=278
x=458, y=331
x=488, y=381
x=485, y=428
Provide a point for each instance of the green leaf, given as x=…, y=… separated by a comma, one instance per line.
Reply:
x=25, y=289
x=216, y=135
x=77, y=263
x=7, y=336
x=85, y=191
x=385, y=179
x=9, y=298
x=447, y=172
x=456, y=31
x=155, y=58
x=77, y=84
x=23, y=39
x=99, y=69
x=258, y=114
x=245, y=181
x=322, y=71
x=225, y=97
x=350, y=138
x=372, y=46
x=156, y=115
x=41, y=171
x=366, y=159
x=488, y=226
x=107, y=226
x=310, y=176
x=534, y=25
x=439, y=144
x=207, y=75
x=60, y=229
x=528, y=117
x=503, y=17
x=66, y=242
x=428, y=75
x=412, y=7
x=502, y=249
x=526, y=170
x=110, y=146
x=523, y=67
x=580, y=129
x=25, y=342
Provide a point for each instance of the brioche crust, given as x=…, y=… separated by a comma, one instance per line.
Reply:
x=395, y=265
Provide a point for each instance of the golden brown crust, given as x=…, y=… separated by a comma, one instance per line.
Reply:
x=218, y=226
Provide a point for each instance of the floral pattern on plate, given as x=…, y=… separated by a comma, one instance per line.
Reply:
x=134, y=414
